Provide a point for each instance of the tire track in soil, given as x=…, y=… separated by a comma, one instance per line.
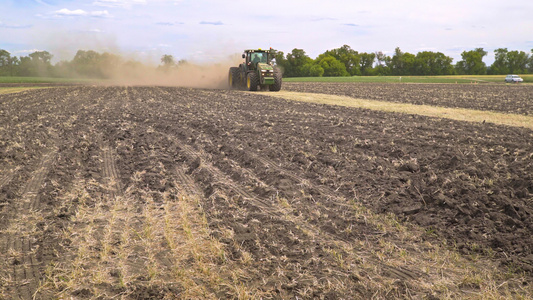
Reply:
x=110, y=173
x=325, y=191
x=401, y=273
x=223, y=179
x=22, y=268
x=272, y=213
x=119, y=222
x=128, y=231
x=273, y=208
x=7, y=177
x=331, y=239
x=397, y=272
x=187, y=183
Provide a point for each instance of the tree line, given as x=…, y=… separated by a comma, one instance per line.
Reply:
x=343, y=61
x=85, y=64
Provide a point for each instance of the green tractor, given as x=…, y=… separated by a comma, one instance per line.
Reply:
x=256, y=72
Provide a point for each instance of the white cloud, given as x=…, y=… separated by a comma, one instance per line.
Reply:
x=27, y=51
x=99, y=13
x=68, y=12
x=65, y=12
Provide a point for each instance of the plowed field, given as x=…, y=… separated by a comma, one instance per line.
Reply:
x=508, y=98
x=165, y=192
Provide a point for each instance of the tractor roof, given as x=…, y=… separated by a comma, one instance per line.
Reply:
x=258, y=50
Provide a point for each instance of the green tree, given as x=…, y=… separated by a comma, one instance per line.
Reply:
x=472, y=62
x=37, y=64
x=402, y=63
x=168, y=60
x=298, y=63
x=331, y=65
x=507, y=62
x=43, y=57
x=168, y=63
x=25, y=67
x=433, y=63
x=86, y=64
x=5, y=63
x=501, y=63
x=13, y=65
x=4, y=57
x=382, y=66
x=316, y=71
x=518, y=62
x=349, y=57
x=530, y=63
x=92, y=64
x=366, y=66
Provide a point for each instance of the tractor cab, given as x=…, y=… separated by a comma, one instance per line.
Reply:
x=253, y=57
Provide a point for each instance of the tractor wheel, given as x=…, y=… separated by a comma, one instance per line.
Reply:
x=233, y=78
x=277, y=80
x=252, y=81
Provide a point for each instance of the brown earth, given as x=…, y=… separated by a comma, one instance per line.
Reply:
x=516, y=98
x=281, y=186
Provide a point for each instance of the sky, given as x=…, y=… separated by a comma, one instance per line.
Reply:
x=208, y=30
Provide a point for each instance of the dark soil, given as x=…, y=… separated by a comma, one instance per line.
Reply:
x=471, y=184
x=516, y=98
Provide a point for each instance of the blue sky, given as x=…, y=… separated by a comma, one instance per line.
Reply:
x=208, y=30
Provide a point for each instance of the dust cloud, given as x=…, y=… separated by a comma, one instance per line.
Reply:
x=189, y=74
x=108, y=65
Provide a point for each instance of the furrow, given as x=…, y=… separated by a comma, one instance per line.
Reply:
x=187, y=183
x=330, y=238
x=110, y=172
x=399, y=273
x=29, y=268
x=125, y=226
x=273, y=209
x=322, y=189
x=18, y=250
x=221, y=178
x=7, y=177
x=31, y=190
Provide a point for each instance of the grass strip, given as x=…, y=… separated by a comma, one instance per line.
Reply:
x=10, y=90
x=459, y=114
x=452, y=79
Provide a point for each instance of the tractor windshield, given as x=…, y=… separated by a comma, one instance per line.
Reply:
x=259, y=57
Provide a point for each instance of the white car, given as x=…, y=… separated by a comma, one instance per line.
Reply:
x=513, y=78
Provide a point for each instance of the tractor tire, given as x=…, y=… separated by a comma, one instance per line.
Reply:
x=233, y=78
x=252, y=81
x=277, y=80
